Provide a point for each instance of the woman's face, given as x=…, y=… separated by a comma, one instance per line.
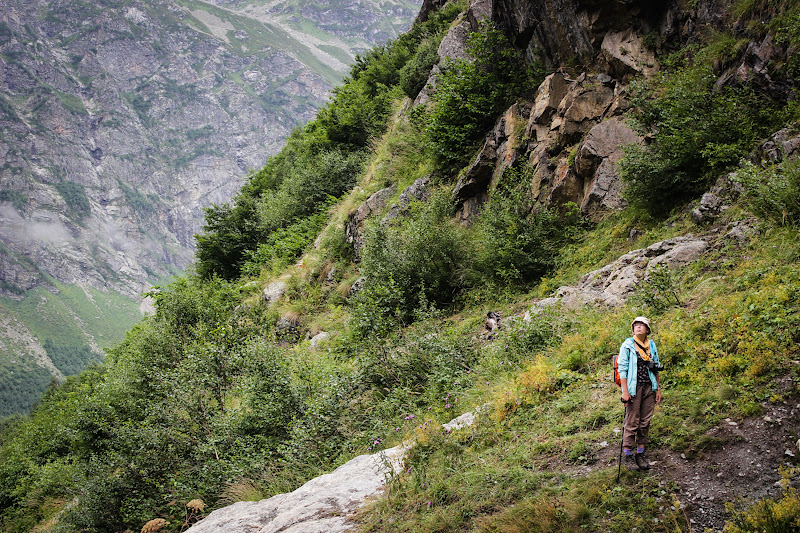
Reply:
x=640, y=329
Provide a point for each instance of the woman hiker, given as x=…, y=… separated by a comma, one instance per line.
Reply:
x=638, y=369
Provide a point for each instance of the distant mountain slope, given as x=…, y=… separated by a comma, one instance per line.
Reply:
x=120, y=120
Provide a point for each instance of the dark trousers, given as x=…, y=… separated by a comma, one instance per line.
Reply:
x=638, y=414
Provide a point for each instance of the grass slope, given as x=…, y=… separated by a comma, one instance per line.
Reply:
x=73, y=325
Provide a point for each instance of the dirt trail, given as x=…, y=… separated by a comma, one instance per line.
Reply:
x=742, y=462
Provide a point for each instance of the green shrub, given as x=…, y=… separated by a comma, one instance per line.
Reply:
x=74, y=195
x=772, y=192
x=282, y=198
x=284, y=245
x=698, y=132
x=471, y=94
x=768, y=515
x=658, y=292
x=416, y=259
x=17, y=199
x=414, y=74
x=512, y=244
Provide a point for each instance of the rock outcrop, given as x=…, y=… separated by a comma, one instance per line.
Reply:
x=416, y=191
x=499, y=152
x=613, y=284
x=324, y=504
x=574, y=135
x=354, y=226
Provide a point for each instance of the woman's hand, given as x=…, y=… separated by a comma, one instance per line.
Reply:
x=658, y=395
x=626, y=397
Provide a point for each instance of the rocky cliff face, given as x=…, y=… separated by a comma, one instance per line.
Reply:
x=120, y=120
x=575, y=127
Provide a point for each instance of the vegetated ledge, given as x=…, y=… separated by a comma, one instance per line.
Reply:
x=732, y=459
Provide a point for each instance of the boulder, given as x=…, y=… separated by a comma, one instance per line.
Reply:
x=478, y=11
x=318, y=338
x=454, y=43
x=356, y=286
x=567, y=186
x=355, y=222
x=709, y=208
x=626, y=54
x=416, y=191
x=614, y=283
x=273, y=292
x=324, y=504
x=784, y=144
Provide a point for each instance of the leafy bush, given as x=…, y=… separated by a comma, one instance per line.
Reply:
x=415, y=261
x=414, y=74
x=471, y=94
x=698, y=132
x=17, y=199
x=292, y=186
x=74, y=195
x=768, y=515
x=658, y=292
x=284, y=245
x=514, y=244
x=772, y=192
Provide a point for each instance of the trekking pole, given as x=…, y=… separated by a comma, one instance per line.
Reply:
x=619, y=461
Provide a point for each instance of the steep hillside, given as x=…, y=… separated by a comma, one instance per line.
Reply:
x=470, y=225
x=121, y=121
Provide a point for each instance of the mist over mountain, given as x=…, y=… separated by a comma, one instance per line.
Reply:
x=120, y=122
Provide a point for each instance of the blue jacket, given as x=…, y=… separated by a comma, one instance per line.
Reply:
x=627, y=364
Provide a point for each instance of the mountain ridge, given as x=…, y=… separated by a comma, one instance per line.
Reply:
x=122, y=121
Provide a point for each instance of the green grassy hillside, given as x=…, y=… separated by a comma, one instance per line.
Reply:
x=221, y=396
x=73, y=325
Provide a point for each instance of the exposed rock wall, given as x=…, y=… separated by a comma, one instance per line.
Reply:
x=137, y=111
x=576, y=130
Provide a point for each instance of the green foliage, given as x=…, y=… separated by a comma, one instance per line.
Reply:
x=471, y=94
x=284, y=245
x=513, y=243
x=140, y=203
x=74, y=195
x=657, y=292
x=291, y=187
x=22, y=386
x=768, y=515
x=786, y=28
x=70, y=360
x=320, y=160
x=772, y=192
x=415, y=72
x=358, y=112
x=699, y=132
x=414, y=262
x=17, y=199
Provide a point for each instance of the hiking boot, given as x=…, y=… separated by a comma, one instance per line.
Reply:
x=642, y=461
x=631, y=464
